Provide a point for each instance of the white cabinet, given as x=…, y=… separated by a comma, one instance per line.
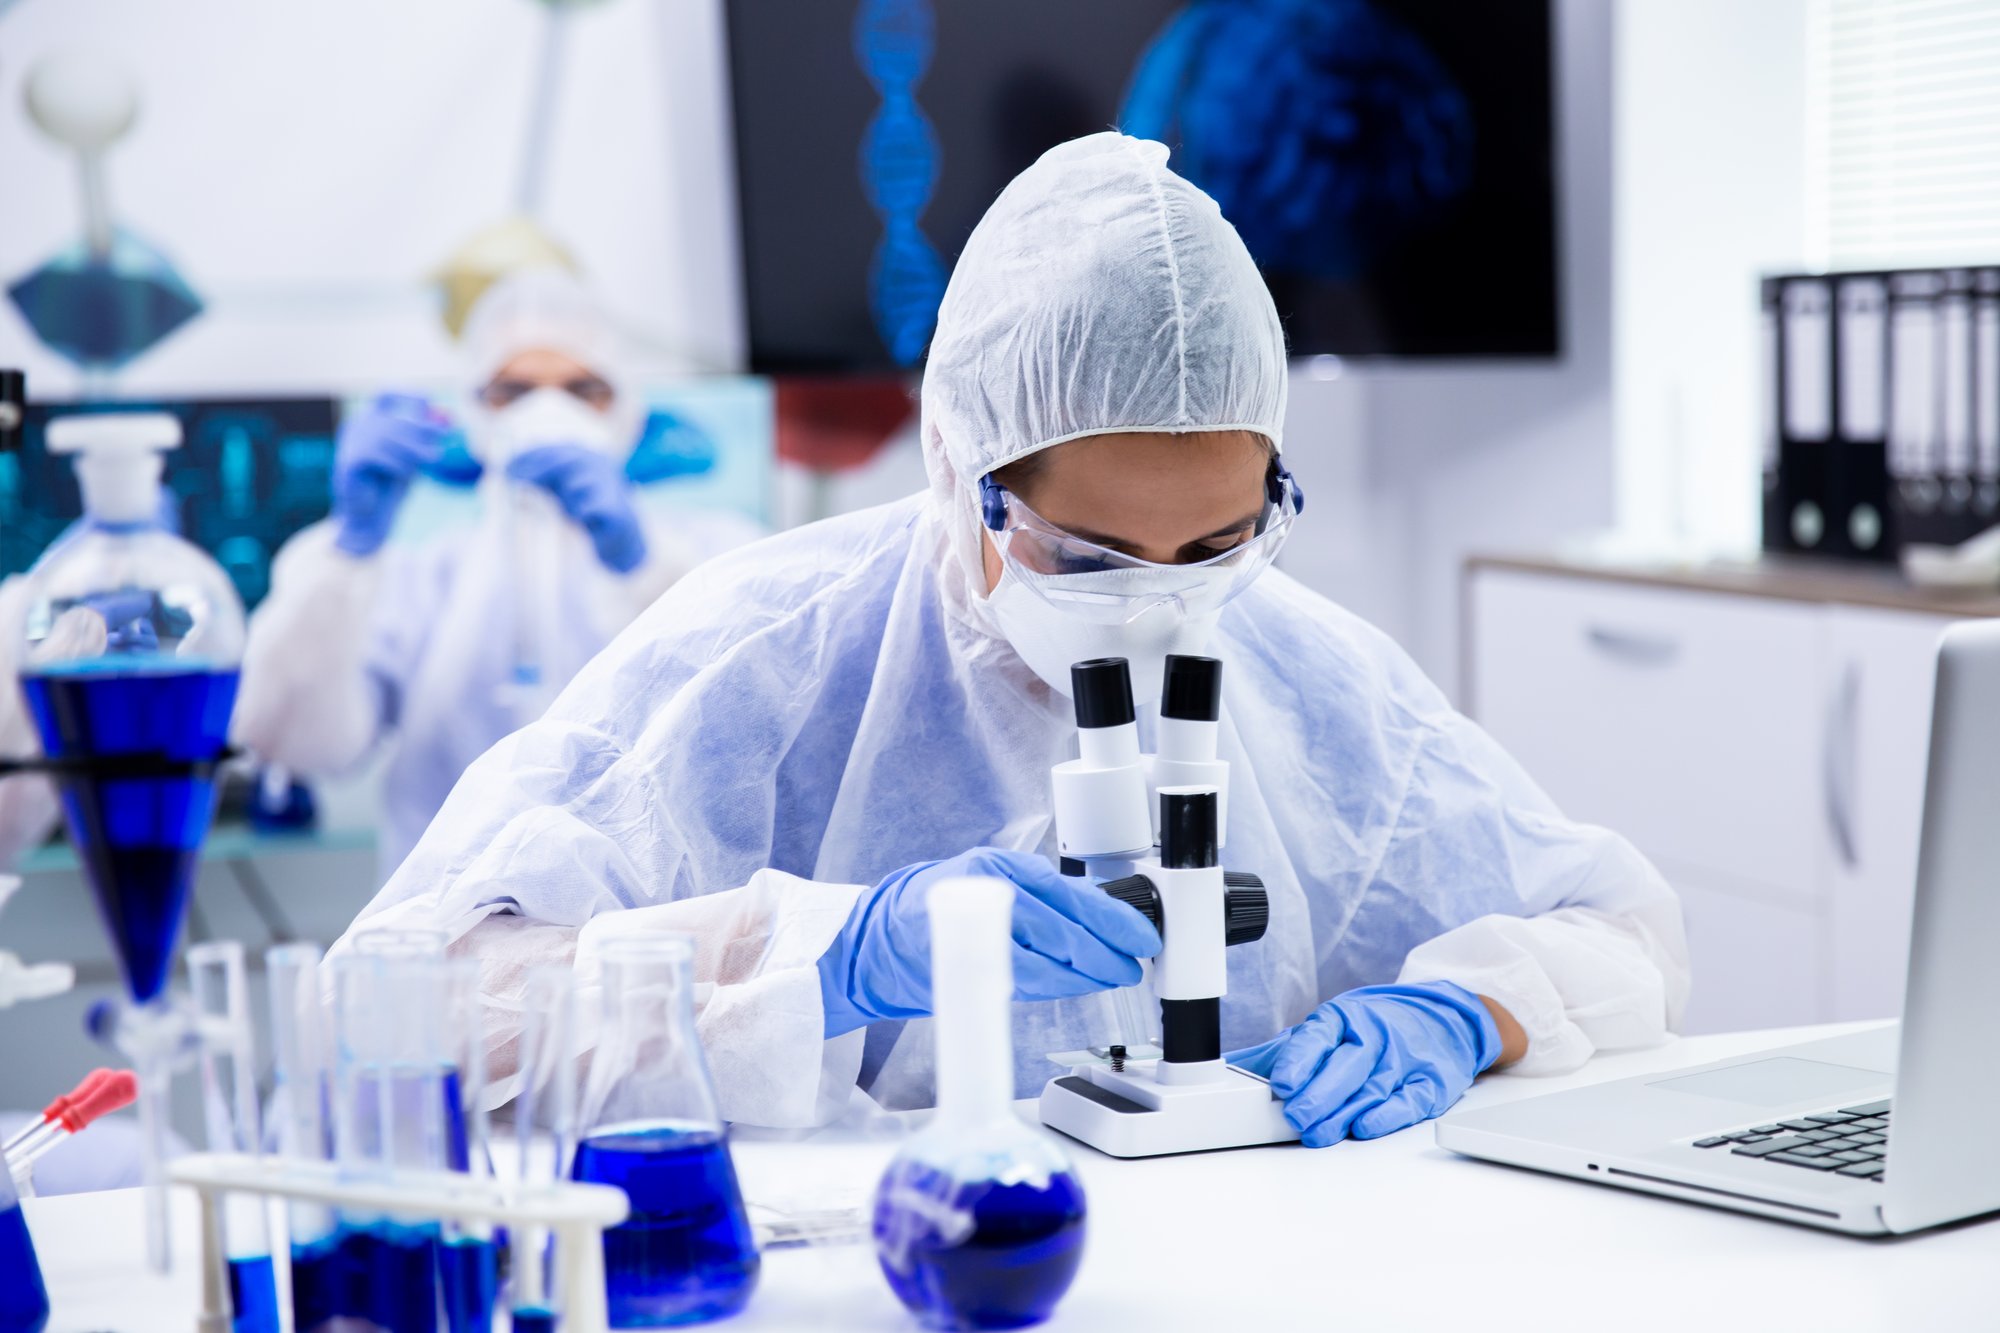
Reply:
x=1767, y=754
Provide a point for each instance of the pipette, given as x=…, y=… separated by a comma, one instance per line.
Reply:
x=101, y=1092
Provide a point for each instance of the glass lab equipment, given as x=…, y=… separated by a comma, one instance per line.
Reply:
x=133, y=639
x=652, y=1128
x=229, y=1112
x=979, y=1220
x=468, y=1253
x=545, y=1128
x=24, y=1300
x=299, y=1089
x=395, y=1094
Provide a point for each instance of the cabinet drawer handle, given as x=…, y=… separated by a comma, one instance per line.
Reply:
x=1638, y=649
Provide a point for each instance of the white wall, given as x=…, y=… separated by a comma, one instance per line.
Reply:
x=1710, y=191
x=306, y=166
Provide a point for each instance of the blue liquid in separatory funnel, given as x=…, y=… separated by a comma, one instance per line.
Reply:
x=1008, y=1270
x=253, y=1295
x=685, y=1255
x=24, y=1301
x=469, y=1273
x=139, y=837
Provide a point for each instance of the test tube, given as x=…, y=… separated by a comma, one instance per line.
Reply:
x=545, y=1130
x=229, y=1106
x=298, y=1120
x=391, y=1015
x=468, y=1259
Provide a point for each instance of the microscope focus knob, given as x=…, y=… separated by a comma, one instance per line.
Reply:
x=1136, y=891
x=1247, y=906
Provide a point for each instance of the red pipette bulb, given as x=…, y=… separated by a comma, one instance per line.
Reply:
x=118, y=1090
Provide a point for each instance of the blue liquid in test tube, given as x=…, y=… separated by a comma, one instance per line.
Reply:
x=318, y=1284
x=404, y=1279
x=685, y=1255
x=253, y=1294
x=534, y=1320
x=469, y=1273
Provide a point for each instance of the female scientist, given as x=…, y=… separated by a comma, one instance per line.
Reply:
x=804, y=736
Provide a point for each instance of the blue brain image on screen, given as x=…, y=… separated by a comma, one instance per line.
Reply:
x=1324, y=129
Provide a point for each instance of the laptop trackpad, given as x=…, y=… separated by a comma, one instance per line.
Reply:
x=1773, y=1082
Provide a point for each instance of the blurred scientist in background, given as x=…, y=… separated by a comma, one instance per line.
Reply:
x=440, y=648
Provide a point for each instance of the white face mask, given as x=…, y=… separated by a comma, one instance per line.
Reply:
x=1050, y=640
x=546, y=416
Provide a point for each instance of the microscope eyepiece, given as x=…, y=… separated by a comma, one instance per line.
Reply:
x=1102, y=688
x=1188, y=828
x=1193, y=690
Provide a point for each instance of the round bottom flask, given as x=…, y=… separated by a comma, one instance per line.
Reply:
x=979, y=1220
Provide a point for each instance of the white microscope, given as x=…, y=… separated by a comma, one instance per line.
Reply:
x=1112, y=804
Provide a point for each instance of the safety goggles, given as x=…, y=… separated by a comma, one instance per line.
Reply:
x=1086, y=579
x=590, y=390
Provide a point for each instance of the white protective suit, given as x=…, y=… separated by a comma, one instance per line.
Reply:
x=801, y=717
x=411, y=645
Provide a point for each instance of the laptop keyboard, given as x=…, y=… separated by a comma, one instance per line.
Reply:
x=1853, y=1141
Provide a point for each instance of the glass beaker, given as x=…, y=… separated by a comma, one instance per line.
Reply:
x=652, y=1128
x=24, y=1300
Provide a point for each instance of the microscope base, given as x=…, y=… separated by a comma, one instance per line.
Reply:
x=1132, y=1114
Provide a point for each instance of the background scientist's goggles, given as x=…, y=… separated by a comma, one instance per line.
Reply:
x=1084, y=579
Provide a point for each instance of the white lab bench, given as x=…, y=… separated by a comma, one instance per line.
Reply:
x=1395, y=1234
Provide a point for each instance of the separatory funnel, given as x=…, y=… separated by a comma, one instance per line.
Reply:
x=133, y=640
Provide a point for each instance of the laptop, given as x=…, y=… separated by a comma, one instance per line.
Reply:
x=1887, y=1130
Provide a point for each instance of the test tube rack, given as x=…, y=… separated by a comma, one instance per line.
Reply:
x=577, y=1214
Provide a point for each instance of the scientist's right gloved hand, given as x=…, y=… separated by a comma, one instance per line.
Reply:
x=380, y=449
x=1069, y=939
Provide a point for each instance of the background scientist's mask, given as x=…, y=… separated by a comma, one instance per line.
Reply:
x=543, y=397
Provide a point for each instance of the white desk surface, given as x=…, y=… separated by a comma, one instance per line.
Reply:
x=1395, y=1234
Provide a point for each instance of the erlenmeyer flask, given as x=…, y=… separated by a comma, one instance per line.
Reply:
x=652, y=1128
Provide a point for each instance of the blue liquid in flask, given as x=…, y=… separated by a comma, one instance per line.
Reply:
x=978, y=1254
x=253, y=1295
x=685, y=1255
x=24, y=1301
x=469, y=1273
x=139, y=837
x=318, y=1284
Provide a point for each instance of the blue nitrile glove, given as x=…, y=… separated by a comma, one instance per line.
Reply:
x=128, y=621
x=1376, y=1060
x=379, y=450
x=1069, y=939
x=592, y=490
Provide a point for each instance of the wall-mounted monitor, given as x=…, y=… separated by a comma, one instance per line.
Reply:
x=1389, y=162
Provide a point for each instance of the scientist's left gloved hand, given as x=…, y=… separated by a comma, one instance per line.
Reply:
x=592, y=490
x=1376, y=1060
